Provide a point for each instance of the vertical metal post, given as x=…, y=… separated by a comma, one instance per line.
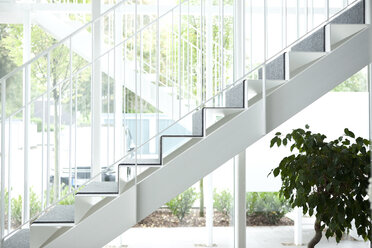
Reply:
x=307, y=15
x=222, y=62
x=298, y=18
x=209, y=208
x=209, y=51
x=136, y=106
x=26, y=118
x=119, y=136
x=70, y=124
x=3, y=117
x=157, y=70
x=298, y=226
x=240, y=205
x=42, y=152
x=208, y=94
x=48, y=132
x=26, y=146
x=239, y=166
x=179, y=62
x=327, y=9
x=201, y=53
x=264, y=68
x=10, y=175
x=368, y=20
x=96, y=90
x=75, y=132
x=251, y=33
x=108, y=112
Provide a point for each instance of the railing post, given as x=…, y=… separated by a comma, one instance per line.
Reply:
x=3, y=117
x=48, y=131
x=96, y=90
x=26, y=146
x=26, y=119
x=239, y=160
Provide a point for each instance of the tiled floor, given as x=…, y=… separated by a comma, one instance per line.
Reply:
x=257, y=237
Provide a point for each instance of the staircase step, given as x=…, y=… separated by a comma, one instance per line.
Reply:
x=255, y=86
x=296, y=62
x=59, y=214
x=275, y=69
x=336, y=34
x=312, y=43
x=141, y=162
x=354, y=15
x=20, y=239
x=102, y=188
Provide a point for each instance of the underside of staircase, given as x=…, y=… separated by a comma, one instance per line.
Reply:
x=295, y=79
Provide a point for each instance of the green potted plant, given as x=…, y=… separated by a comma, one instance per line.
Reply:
x=328, y=179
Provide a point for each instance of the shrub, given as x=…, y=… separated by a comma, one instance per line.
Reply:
x=16, y=207
x=223, y=201
x=270, y=205
x=181, y=205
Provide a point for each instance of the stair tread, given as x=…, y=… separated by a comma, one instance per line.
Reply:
x=58, y=214
x=20, y=239
x=99, y=188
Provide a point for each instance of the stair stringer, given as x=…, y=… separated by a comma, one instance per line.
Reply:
x=319, y=78
x=208, y=154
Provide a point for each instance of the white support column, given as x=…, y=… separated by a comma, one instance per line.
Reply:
x=26, y=114
x=208, y=94
x=96, y=91
x=240, y=160
x=240, y=207
x=208, y=192
x=368, y=20
x=298, y=226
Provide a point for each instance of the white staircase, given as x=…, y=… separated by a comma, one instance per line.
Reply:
x=111, y=216
x=104, y=210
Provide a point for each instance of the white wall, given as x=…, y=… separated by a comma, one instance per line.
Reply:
x=329, y=115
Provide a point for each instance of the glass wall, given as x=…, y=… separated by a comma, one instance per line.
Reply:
x=346, y=106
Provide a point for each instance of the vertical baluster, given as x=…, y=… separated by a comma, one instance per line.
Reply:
x=140, y=88
x=172, y=65
x=251, y=32
x=136, y=101
x=48, y=132
x=179, y=62
x=3, y=117
x=221, y=59
x=264, y=68
x=42, y=152
x=157, y=69
x=108, y=112
x=75, y=138
x=327, y=9
x=27, y=89
x=298, y=18
x=307, y=15
x=70, y=125
x=10, y=174
x=59, y=140
x=189, y=77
